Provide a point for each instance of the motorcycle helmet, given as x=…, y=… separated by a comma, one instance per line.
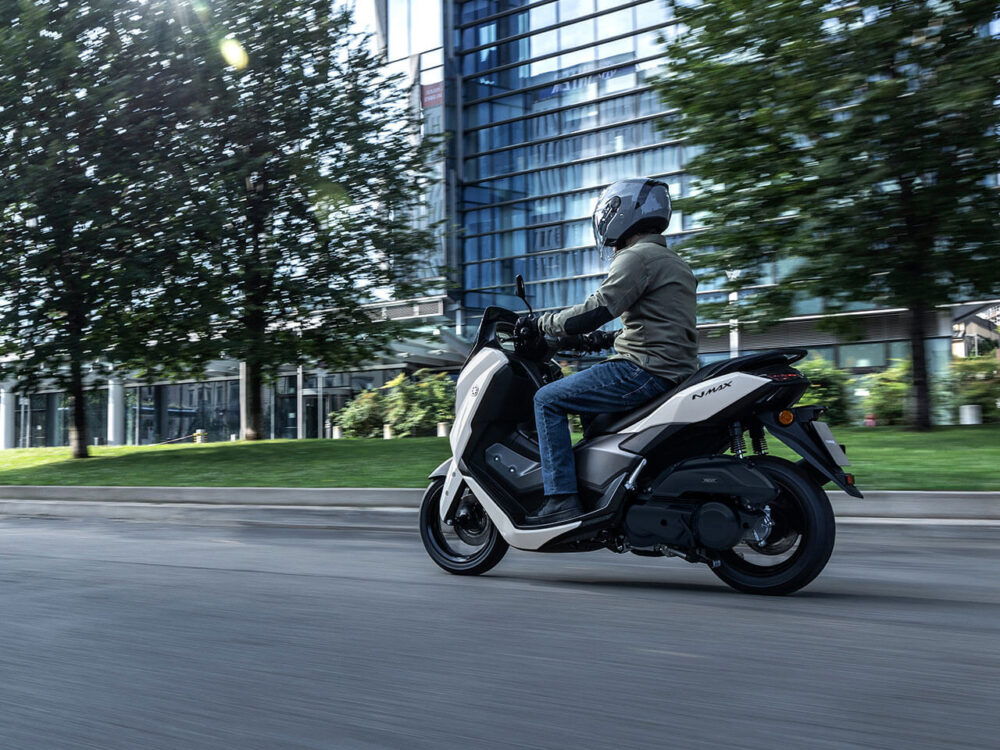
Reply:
x=630, y=206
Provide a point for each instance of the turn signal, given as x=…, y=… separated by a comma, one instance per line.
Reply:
x=849, y=479
x=786, y=417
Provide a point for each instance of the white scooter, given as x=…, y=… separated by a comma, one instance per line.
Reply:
x=655, y=481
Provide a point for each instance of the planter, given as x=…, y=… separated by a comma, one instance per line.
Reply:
x=970, y=414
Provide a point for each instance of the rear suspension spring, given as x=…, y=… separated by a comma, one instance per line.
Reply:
x=758, y=440
x=737, y=443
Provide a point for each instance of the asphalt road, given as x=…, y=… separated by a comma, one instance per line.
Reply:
x=142, y=636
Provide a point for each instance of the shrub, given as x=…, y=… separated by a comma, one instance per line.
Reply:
x=830, y=388
x=415, y=405
x=411, y=406
x=887, y=393
x=976, y=380
x=363, y=416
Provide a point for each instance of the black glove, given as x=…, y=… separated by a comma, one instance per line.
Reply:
x=526, y=328
x=599, y=340
x=528, y=339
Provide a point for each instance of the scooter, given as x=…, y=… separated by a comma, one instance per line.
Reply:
x=673, y=478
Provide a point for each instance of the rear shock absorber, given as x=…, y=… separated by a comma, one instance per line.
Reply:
x=737, y=444
x=758, y=439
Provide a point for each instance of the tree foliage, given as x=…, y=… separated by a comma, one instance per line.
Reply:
x=186, y=180
x=309, y=172
x=845, y=151
x=88, y=119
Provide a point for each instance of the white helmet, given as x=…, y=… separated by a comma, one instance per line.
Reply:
x=630, y=206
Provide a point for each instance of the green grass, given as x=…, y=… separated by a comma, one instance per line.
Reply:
x=273, y=463
x=950, y=458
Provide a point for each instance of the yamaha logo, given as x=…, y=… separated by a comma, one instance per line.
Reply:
x=716, y=389
x=474, y=391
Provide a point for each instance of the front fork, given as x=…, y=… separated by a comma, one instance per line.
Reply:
x=450, y=493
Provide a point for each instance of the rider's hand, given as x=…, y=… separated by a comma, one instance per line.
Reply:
x=526, y=328
x=599, y=340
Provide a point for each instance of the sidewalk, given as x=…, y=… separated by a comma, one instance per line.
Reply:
x=395, y=508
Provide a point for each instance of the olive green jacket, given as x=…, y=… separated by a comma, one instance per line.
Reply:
x=653, y=290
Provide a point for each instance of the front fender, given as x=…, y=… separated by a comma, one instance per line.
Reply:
x=442, y=470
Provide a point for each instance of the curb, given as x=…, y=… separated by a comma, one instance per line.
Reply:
x=328, y=497
x=385, y=507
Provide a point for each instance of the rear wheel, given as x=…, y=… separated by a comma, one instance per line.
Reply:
x=799, y=544
x=469, y=547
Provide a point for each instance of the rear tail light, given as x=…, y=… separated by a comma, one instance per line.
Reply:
x=783, y=377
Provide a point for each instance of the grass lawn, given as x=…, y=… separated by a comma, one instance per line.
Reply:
x=951, y=458
x=272, y=463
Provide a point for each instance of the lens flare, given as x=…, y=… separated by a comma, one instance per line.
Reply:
x=233, y=53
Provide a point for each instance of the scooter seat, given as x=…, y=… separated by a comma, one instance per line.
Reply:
x=612, y=422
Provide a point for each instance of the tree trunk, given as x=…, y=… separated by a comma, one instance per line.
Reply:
x=78, y=427
x=919, y=413
x=255, y=406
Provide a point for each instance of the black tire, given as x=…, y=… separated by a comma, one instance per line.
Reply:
x=802, y=508
x=436, y=541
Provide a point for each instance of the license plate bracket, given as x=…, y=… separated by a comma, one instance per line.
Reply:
x=829, y=442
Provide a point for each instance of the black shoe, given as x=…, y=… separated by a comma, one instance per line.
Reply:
x=556, y=508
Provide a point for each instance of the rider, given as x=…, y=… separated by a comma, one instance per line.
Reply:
x=653, y=290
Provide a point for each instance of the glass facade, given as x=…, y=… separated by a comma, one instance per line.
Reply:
x=556, y=104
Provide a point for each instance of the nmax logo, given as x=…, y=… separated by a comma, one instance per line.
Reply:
x=716, y=389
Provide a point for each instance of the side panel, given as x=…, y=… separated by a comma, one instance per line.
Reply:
x=702, y=400
x=473, y=381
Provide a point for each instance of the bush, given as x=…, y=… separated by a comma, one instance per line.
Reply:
x=411, y=406
x=415, y=405
x=830, y=388
x=976, y=380
x=887, y=393
x=363, y=416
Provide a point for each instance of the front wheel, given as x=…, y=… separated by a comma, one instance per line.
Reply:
x=800, y=542
x=469, y=547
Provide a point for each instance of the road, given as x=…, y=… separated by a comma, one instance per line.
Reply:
x=146, y=636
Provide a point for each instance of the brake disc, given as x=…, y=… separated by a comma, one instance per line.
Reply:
x=472, y=525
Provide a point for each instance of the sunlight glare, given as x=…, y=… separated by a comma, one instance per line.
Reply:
x=233, y=53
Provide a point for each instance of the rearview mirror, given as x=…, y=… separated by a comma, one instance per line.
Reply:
x=519, y=286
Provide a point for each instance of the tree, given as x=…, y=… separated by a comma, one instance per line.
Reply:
x=313, y=173
x=845, y=151
x=88, y=205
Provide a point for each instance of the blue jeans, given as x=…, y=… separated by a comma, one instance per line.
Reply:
x=612, y=386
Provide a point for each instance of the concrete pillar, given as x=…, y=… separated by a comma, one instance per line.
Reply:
x=8, y=407
x=300, y=405
x=243, y=403
x=320, y=416
x=116, y=413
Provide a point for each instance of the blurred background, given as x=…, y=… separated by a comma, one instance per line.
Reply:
x=213, y=126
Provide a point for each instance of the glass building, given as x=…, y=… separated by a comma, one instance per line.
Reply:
x=545, y=103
